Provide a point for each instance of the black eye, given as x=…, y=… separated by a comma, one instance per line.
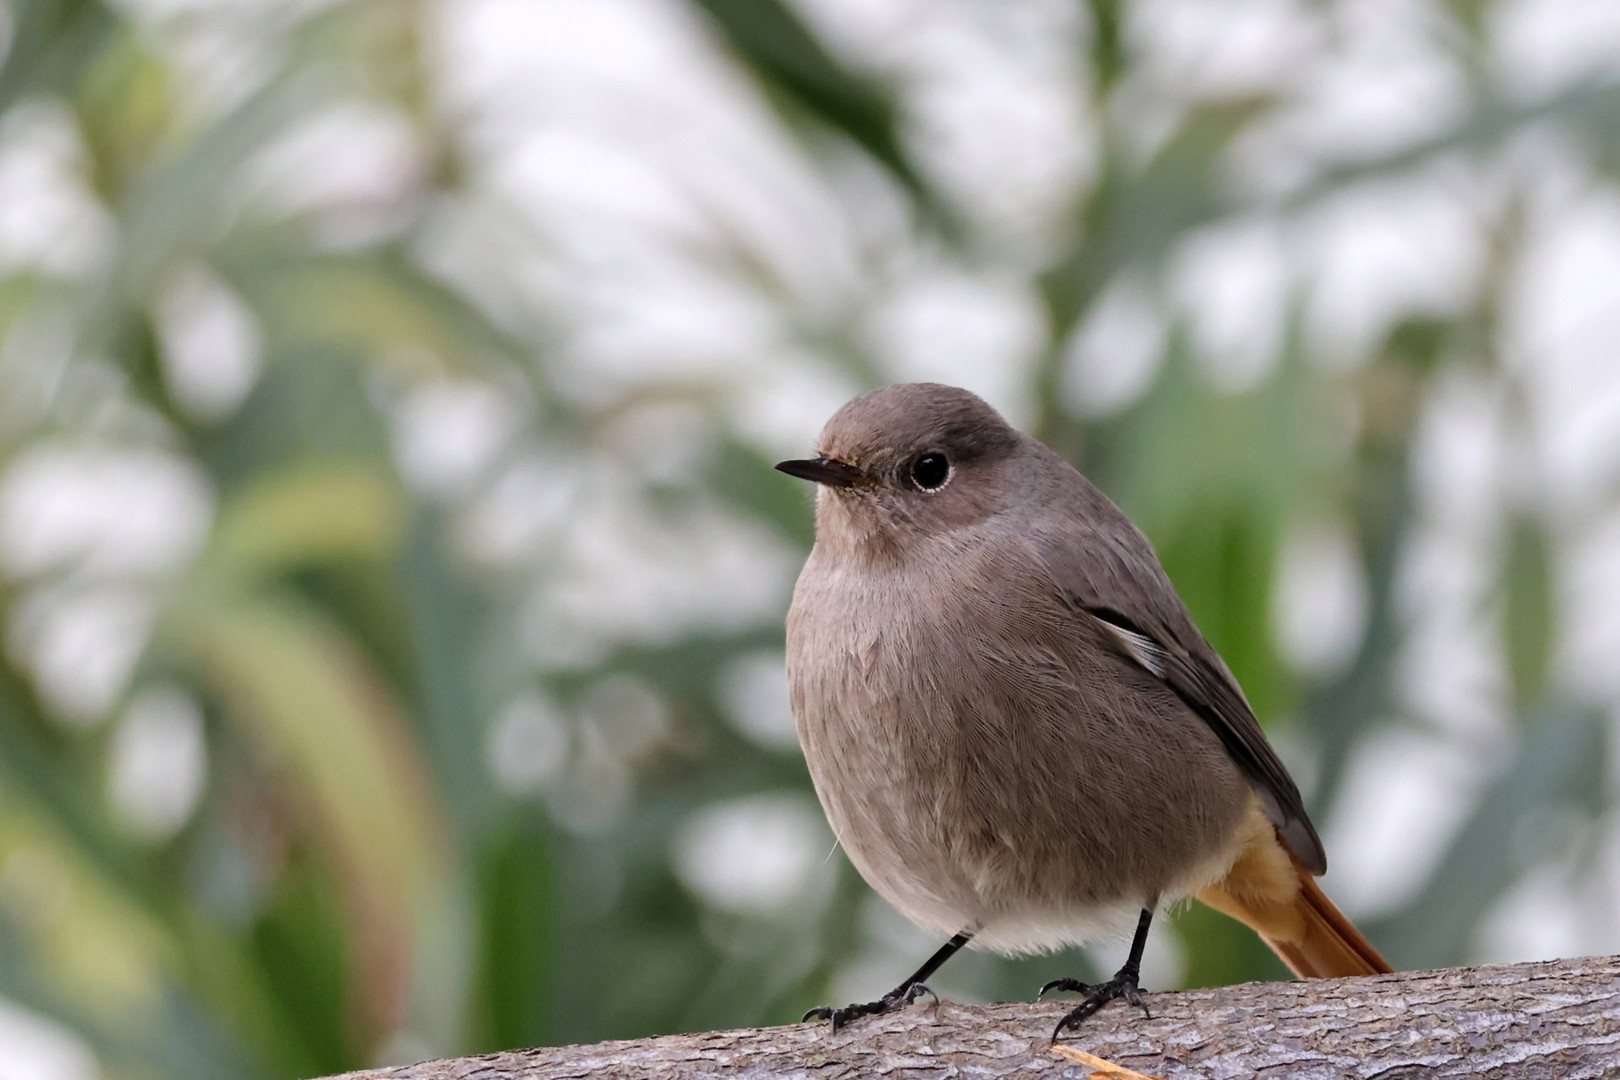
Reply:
x=930, y=471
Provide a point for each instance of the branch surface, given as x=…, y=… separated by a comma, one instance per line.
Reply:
x=1559, y=1019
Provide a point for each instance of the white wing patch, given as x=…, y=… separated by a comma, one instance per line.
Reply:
x=1139, y=647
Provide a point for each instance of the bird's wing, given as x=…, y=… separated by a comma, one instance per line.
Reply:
x=1107, y=571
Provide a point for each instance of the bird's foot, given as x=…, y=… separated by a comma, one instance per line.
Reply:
x=1122, y=985
x=898, y=998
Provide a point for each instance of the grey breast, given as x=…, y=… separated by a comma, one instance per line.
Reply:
x=983, y=751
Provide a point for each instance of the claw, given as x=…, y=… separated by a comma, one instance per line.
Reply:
x=1121, y=986
x=1075, y=985
x=898, y=998
x=915, y=991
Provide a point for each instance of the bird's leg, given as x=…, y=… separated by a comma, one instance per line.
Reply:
x=1122, y=985
x=901, y=996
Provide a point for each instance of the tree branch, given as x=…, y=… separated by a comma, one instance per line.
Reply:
x=1558, y=1019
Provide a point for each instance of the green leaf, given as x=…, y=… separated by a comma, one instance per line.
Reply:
x=123, y=105
x=1108, y=56
x=52, y=42
x=301, y=946
x=772, y=40
x=519, y=921
x=1137, y=214
x=1528, y=615
x=323, y=510
x=320, y=716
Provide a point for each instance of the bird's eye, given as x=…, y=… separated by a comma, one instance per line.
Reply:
x=930, y=471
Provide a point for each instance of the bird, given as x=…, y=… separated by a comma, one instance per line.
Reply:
x=1016, y=731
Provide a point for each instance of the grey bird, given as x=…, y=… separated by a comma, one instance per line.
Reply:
x=1017, y=733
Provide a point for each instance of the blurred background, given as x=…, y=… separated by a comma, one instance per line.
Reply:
x=392, y=572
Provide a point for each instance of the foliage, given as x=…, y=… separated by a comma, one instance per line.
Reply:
x=355, y=884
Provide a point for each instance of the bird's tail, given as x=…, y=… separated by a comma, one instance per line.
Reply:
x=1271, y=893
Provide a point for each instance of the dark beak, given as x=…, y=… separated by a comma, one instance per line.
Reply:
x=823, y=470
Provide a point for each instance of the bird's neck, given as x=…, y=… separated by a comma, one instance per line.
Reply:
x=853, y=532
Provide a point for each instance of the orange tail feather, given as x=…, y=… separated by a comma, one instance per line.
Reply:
x=1269, y=892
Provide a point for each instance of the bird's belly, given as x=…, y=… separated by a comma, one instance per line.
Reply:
x=1015, y=801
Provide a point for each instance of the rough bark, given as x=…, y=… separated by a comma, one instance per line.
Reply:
x=1546, y=1020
